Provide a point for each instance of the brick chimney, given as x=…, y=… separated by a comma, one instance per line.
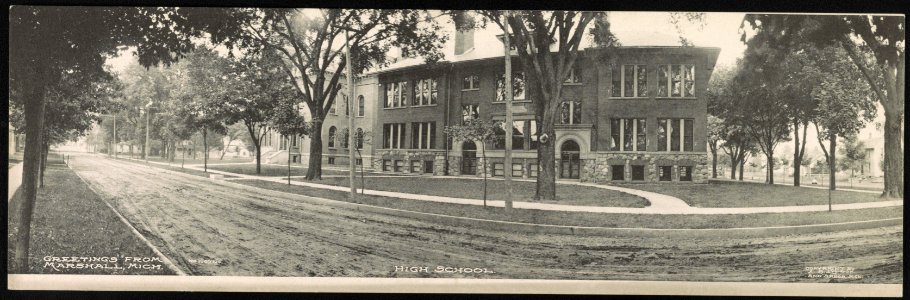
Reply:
x=464, y=41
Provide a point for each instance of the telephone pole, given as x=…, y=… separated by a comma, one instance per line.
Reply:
x=350, y=114
x=508, y=126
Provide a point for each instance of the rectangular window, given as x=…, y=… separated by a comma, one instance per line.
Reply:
x=518, y=87
x=498, y=169
x=532, y=170
x=665, y=173
x=618, y=172
x=415, y=166
x=399, y=165
x=524, y=135
x=386, y=165
x=676, y=81
x=516, y=170
x=685, y=173
x=630, y=81
x=638, y=172
x=393, y=136
x=425, y=92
x=574, y=75
x=331, y=160
x=628, y=135
x=470, y=83
x=358, y=162
x=570, y=112
x=470, y=112
x=423, y=135
x=675, y=134
x=394, y=94
x=428, y=166
x=518, y=135
x=534, y=142
x=361, y=106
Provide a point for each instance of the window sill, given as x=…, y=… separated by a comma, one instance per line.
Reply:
x=425, y=105
x=629, y=98
x=572, y=83
x=676, y=98
x=393, y=108
x=513, y=101
x=470, y=90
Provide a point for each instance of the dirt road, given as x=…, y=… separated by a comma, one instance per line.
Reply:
x=210, y=229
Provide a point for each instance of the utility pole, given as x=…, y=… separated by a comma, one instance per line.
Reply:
x=148, y=115
x=507, y=168
x=115, y=136
x=350, y=79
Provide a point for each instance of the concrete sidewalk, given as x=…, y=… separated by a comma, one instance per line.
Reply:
x=660, y=204
x=818, y=187
x=14, y=176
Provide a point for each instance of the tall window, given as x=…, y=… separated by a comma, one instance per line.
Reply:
x=361, y=106
x=570, y=112
x=518, y=87
x=394, y=94
x=423, y=135
x=676, y=81
x=332, y=109
x=628, y=135
x=574, y=75
x=359, y=138
x=425, y=92
x=393, y=136
x=470, y=83
x=629, y=81
x=470, y=112
x=332, y=132
x=524, y=135
x=674, y=134
x=347, y=106
x=344, y=138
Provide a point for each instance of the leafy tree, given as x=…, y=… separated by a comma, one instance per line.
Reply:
x=845, y=103
x=74, y=38
x=722, y=104
x=478, y=131
x=309, y=43
x=256, y=87
x=758, y=92
x=854, y=156
x=288, y=121
x=876, y=46
x=234, y=132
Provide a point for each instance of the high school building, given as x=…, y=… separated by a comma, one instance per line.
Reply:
x=628, y=114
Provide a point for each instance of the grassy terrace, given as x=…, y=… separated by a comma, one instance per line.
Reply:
x=271, y=170
x=496, y=190
x=594, y=219
x=734, y=194
x=71, y=220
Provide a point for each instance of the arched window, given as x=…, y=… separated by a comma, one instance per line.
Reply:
x=361, y=106
x=359, y=136
x=332, y=137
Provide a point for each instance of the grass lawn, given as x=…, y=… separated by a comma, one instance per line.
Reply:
x=594, y=219
x=747, y=194
x=496, y=190
x=270, y=170
x=72, y=221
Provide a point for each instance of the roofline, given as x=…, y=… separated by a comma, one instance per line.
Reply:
x=384, y=71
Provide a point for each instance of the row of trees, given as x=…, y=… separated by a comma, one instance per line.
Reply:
x=776, y=92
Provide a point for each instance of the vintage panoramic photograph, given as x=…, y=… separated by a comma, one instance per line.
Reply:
x=204, y=143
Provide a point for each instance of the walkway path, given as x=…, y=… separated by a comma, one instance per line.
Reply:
x=15, y=179
x=660, y=204
x=818, y=187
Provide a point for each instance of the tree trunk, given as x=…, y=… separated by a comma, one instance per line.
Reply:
x=194, y=150
x=314, y=169
x=714, y=163
x=733, y=163
x=205, y=147
x=44, y=151
x=546, y=157
x=223, y=151
x=894, y=152
x=770, y=158
x=483, y=166
x=742, y=165
x=34, y=135
x=289, y=161
x=832, y=159
x=258, y=157
x=797, y=159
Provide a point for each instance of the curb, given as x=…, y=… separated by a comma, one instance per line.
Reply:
x=508, y=226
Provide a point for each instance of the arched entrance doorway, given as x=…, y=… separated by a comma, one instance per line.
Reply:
x=469, y=158
x=569, y=161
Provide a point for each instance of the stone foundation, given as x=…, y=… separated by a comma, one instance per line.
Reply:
x=598, y=167
x=410, y=160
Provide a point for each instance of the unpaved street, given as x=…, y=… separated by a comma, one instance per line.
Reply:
x=242, y=232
